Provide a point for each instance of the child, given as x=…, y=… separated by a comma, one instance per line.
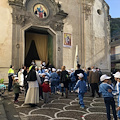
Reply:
x=117, y=78
x=54, y=77
x=42, y=77
x=72, y=81
x=106, y=90
x=81, y=84
x=16, y=89
x=46, y=89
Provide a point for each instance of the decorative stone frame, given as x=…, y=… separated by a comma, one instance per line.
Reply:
x=24, y=18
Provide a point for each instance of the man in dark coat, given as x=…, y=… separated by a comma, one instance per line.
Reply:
x=94, y=81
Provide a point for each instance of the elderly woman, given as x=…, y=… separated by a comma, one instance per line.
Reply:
x=64, y=80
x=32, y=96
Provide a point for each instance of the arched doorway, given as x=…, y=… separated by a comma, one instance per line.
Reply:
x=32, y=54
x=38, y=46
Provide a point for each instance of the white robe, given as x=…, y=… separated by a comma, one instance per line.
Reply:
x=32, y=95
x=21, y=77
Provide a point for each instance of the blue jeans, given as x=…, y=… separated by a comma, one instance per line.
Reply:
x=72, y=85
x=53, y=84
x=10, y=83
x=109, y=101
x=16, y=96
x=80, y=96
x=119, y=110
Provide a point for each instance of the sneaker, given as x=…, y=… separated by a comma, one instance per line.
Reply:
x=40, y=98
x=82, y=107
x=16, y=101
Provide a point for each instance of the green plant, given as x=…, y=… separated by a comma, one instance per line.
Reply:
x=1, y=81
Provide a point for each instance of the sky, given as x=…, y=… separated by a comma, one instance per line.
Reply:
x=114, y=8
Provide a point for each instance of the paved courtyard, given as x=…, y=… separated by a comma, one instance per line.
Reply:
x=59, y=108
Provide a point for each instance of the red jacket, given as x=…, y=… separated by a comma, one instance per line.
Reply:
x=45, y=87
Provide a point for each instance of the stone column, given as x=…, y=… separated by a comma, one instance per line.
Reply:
x=59, y=49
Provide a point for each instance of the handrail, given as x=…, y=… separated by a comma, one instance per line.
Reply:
x=115, y=57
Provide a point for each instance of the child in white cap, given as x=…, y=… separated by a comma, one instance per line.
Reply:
x=81, y=84
x=117, y=84
x=53, y=79
x=117, y=78
x=16, y=89
x=106, y=89
x=46, y=89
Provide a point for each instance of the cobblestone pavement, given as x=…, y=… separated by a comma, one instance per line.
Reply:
x=60, y=108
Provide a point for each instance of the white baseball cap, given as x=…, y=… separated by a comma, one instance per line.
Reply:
x=72, y=69
x=58, y=70
x=16, y=78
x=46, y=77
x=104, y=77
x=117, y=75
x=53, y=69
x=80, y=75
x=46, y=80
x=43, y=74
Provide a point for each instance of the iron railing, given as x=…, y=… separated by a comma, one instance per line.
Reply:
x=115, y=57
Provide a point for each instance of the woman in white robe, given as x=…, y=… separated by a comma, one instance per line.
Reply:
x=32, y=96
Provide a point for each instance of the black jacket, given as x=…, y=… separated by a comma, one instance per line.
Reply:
x=64, y=76
x=32, y=76
x=77, y=72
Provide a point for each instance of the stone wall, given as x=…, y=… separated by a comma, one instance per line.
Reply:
x=89, y=26
x=98, y=37
x=5, y=38
x=71, y=26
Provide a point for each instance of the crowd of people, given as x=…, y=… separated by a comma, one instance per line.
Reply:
x=38, y=83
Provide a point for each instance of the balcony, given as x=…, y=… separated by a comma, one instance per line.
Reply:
x=115, y=58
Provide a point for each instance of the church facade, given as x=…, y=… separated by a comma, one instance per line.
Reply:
x=50, y=30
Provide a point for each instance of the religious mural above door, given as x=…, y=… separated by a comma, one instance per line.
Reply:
x=40, y=11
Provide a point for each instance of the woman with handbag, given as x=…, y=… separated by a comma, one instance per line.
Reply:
x=64, y=81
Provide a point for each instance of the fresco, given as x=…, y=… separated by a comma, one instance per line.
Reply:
x=40, y=11
x=67, y=40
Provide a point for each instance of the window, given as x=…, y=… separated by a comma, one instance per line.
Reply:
x=99, y=11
